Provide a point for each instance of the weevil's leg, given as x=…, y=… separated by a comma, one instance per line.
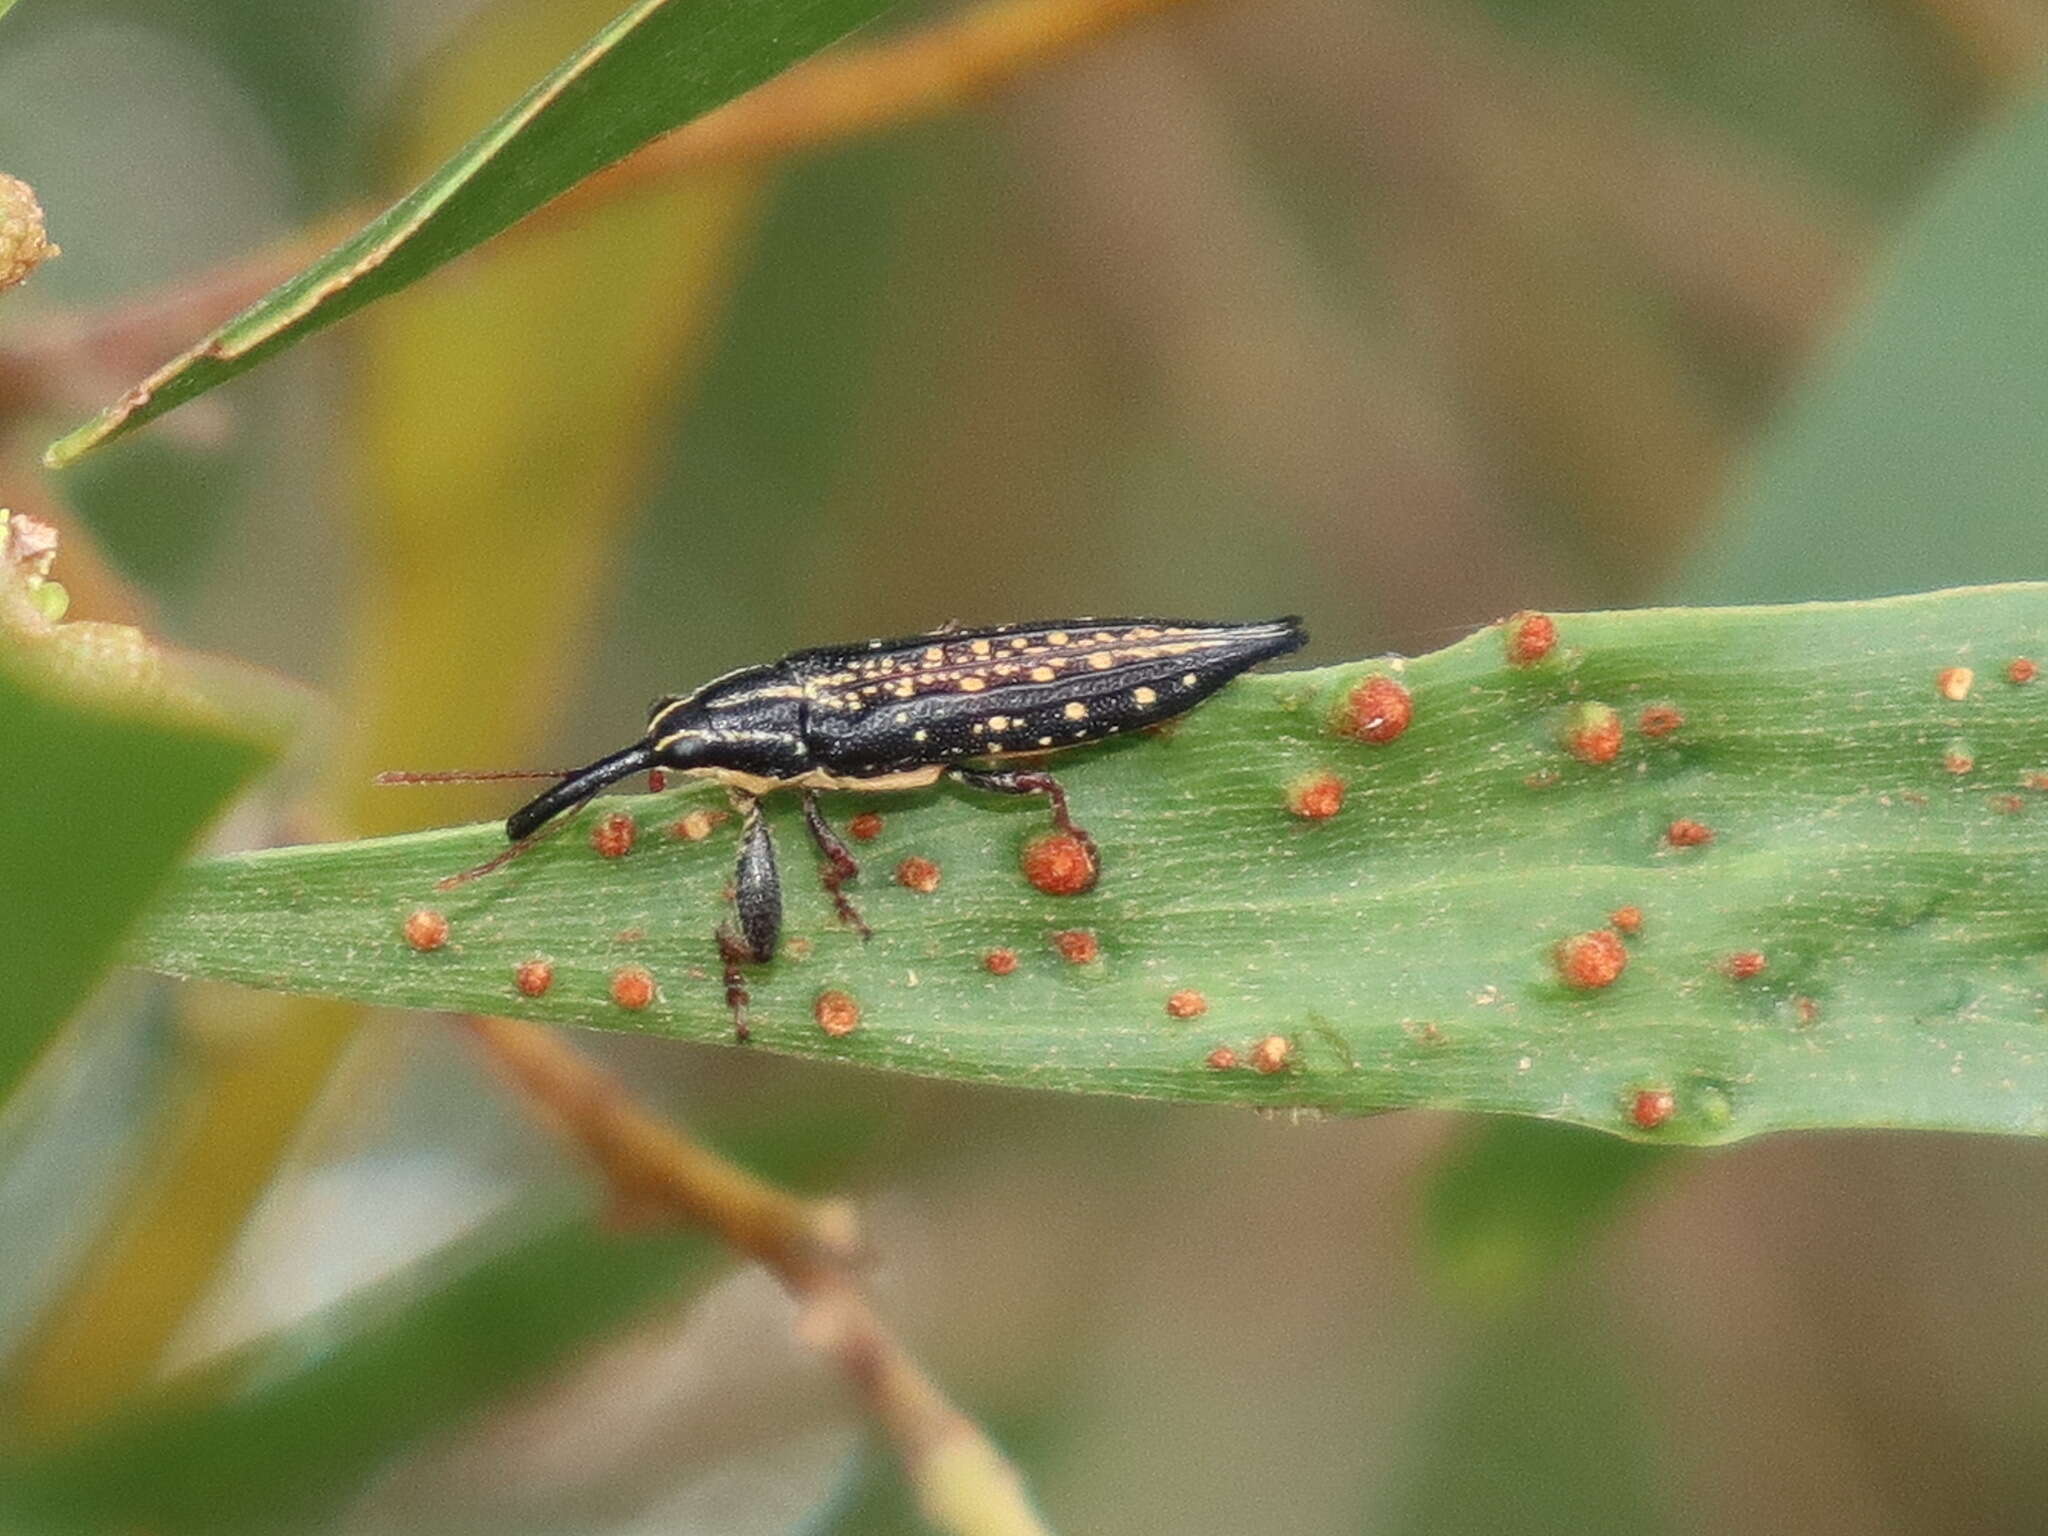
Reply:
x=1029, y=781
x=757, y=891
x=839, y=865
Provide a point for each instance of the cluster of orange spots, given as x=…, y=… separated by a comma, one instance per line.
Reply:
x=999, y=962
x=1376, y=710
x=1627, y=919
x=836, y=1012
x=632, y=987
x=1687, y=833
x=534, y=977
x=1273, y=1054
x=1059, y=864
x=1186, y=1004
x=1744, y=964
x=613, y=835
x=1529, y=638
x=865, y=827
x=1222, y=1059
x=1077, y=946
x=2022, y=669
x=695, y=826
x=425, y=929
x=1659, y=720
x=1592, y=733
x=1590, y=961
x=919, y=874
x=1651, y=1107
x=1954, y=683
x=1316, y=796
x=1959, y=760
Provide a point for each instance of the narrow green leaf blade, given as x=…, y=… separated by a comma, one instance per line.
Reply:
x=659, y=64
x=1876, y=842
x=82, y=706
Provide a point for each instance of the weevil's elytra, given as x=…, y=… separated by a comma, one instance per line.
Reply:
x=900, y=714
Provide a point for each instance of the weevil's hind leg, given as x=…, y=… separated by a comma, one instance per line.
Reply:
x=839, y=865
x=757, y=892
x=1030, y=781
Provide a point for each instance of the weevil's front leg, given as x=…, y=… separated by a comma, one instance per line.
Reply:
x=839, y=864
x=757, y=893
x=1030, y=781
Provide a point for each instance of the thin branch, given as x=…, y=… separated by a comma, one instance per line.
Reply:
x=67, y=360
x=964, y=1484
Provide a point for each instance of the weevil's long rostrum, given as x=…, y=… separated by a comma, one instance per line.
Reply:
x=901, y=714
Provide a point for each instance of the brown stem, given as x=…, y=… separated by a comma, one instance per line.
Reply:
x=964, y=1484
x=67, y=361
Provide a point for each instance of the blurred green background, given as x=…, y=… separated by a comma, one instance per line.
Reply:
x=1402, y=314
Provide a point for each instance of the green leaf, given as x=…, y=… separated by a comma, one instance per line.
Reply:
x=85, y=707
x=1514, y=1200
x=1405, y=951
x=659, y=64
x=1915, y=455
x=277, y=1434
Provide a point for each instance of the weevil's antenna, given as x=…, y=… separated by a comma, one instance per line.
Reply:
x=469, y=775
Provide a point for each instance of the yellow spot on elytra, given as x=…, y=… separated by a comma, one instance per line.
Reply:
x=1058, y=637
x=1102, y=661
x=1076, y=711
x=933, y=655
x=921, y=734
x=1187, y=679
x=1041, y=674
x=1019, y=643
x=979, y=647
x=1144, y=696
x=903, y=717
x=999, y=722
x=904, y=689
x=1045, y=741
x=973, y=684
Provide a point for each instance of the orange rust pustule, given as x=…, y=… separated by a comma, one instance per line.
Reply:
x=1187, y=1004
x=613, y=835
x=425, y=929
x=1316, y=796
x=865, y=827
x=1059, y=864
x=1529, y=637
x=534, y=977
x=1222, y=1059
x=1659, y=720
x=1590, y=961
x=1959, y=761
x=1273, y=1054
x=632, y=987
x=919, y=874
x=836, y=1012
x=1592, y=733
x=1954, y=683
x=999, y=962
x=695, y=826
x=1627, y=919
x=1744, y=964
x=2022, y=670
x=1687, y=833
x=1652, y=1107
x=1077, y=946
x=1376, y=710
